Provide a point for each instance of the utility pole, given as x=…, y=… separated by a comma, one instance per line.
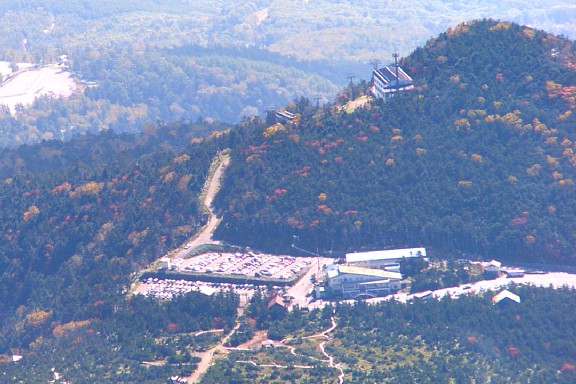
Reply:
x=351, y=76
x=318, y=98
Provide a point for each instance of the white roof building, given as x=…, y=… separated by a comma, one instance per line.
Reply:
x=389, y=80
x=505, y=294
x=383, y=259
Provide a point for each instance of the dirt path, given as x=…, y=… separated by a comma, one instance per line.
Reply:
x=323, y=350
x=206, y=357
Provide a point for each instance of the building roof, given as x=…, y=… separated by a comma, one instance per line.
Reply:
x=276, y=300
x=423, y=295
x=385, y=255
x=351, y=270
x=494, y=263
x=332, y=273
x=505, y=294
x=387, y=75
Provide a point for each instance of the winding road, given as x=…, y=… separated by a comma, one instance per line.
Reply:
x=204, y=236
x=211, y=188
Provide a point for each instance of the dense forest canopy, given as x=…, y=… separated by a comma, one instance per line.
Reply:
x=140, y=61
x=467, y=340
x=79, y=218
x=478, y=159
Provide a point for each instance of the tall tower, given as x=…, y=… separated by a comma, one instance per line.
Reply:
x=395, y=55
x=351, y=77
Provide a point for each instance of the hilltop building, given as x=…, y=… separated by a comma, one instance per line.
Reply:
x=351, y=282
x=390, y=79
x=388, y=260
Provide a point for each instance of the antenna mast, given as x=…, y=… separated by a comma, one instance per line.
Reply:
x=395, y=55
x=351, y=76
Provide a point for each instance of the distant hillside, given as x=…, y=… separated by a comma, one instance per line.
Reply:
x=478, y=159
x=173, y=60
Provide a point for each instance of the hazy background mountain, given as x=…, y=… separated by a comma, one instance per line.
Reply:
x=141, y=60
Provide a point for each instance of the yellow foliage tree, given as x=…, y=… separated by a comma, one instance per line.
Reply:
x=512, y=179
x=477, y=158
x=37, y=318
x=462, y=123
x=31, y=213
x=552, y=161
x=169, y=177
x=533, y=170
x=91, y=188
x=183, y=183
x=181, y=159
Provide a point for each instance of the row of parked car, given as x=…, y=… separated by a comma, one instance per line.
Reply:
x=166, y=289
x=248, y=264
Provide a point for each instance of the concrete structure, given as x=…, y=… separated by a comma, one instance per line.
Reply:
x=166, y=262
x=350, y=281
x=388, y=260
x=389, y=80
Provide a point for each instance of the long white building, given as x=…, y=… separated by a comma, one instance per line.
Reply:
x=388, y=259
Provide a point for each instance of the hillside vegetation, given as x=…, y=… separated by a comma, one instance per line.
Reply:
x=467, y=340
x=140, y=60
x=80, y=217
x=478, y=159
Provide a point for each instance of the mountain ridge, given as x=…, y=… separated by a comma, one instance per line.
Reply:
x=479, y=132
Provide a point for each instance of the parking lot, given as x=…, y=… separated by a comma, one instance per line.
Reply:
x=166, y=289
x=245, y=264
x=237, y=264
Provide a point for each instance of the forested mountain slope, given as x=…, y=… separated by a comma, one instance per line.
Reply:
x=79, y=218
x=138, y=61
x=478, y=159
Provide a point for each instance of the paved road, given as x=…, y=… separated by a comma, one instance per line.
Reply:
x=300, y=290
x=553, y=280
x=204, y=236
